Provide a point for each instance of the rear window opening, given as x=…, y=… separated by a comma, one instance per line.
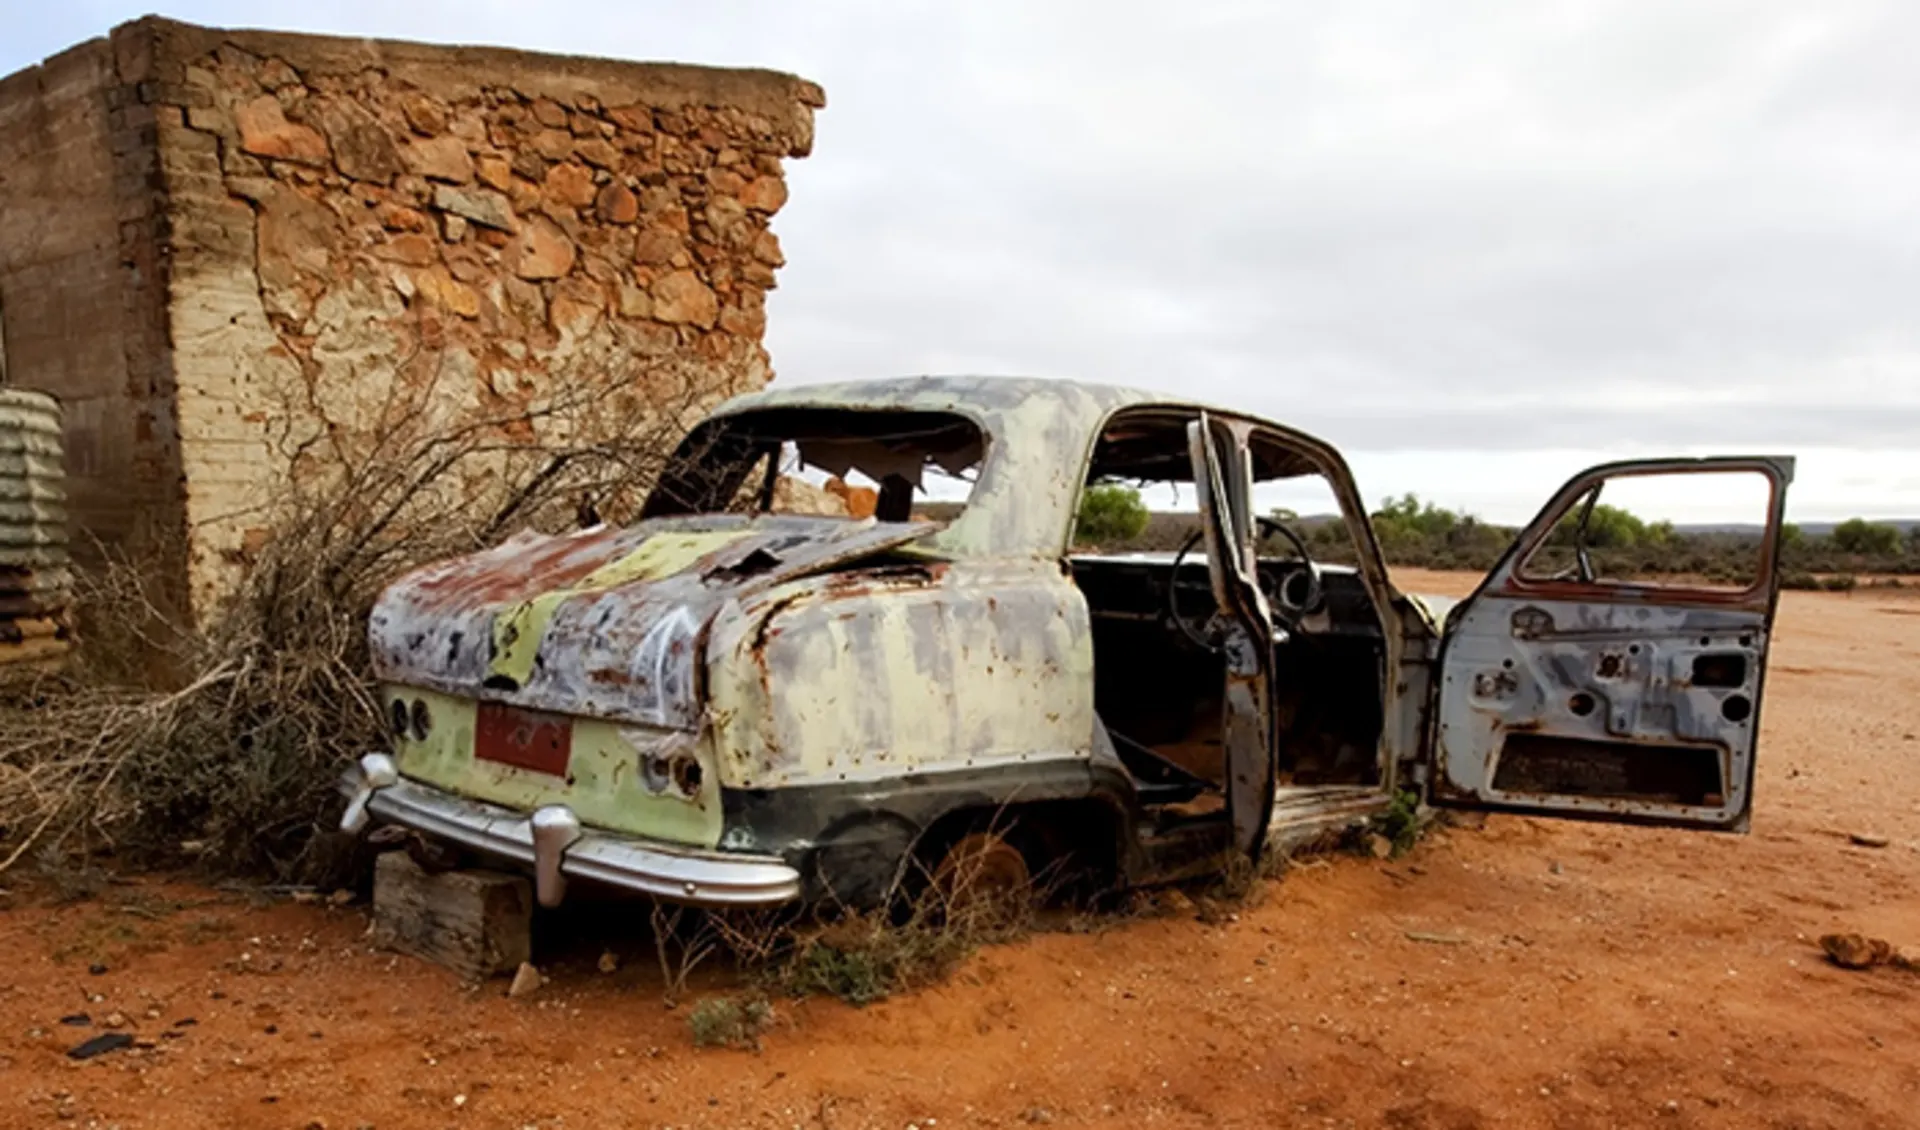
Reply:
x=889, y=465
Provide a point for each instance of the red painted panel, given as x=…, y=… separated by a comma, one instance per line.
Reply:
x=527, y=739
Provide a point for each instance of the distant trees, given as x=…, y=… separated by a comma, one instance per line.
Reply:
x=1110, y=513
x=1415, y=531
x=1867, y=539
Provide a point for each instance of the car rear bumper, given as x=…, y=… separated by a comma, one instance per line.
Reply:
x=556, y=847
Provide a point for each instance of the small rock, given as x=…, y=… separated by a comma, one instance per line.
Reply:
x=609, y=961
x=1379, y=846
x=441, y=289
x=100, y=1045
x=1869, y=839
x=1038, y=1115
x=488, y=209
x=266, y=132
x=96, y=969
x=413, y=248
x=680, y=297
x=77, y=1020
x=362, y=148
x=1856, y=951
x=764, y=194
x=570, y=184
x=494, y=171
x=341, y=897
x=440, y=158
x=597, y=152
x=526, y=980
x=114, y=1020
x=616, y=204
x=542, y=251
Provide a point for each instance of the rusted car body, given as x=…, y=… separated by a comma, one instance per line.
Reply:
x=725, y=706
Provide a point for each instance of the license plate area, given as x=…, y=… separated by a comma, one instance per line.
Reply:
x=525, y=739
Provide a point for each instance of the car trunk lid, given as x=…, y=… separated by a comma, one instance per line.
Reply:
x=601, y=623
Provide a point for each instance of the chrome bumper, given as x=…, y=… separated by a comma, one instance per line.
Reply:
x=552, y=842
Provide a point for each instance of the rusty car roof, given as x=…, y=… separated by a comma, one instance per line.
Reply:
x=1040, y=432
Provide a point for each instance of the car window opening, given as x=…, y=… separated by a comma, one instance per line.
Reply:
x=1606, y=535
x=1159, y=688
x=891, y=466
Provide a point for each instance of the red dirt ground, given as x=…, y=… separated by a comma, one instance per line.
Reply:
x=1527, y=973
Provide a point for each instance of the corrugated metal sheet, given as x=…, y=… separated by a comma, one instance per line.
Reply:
x=36, y=586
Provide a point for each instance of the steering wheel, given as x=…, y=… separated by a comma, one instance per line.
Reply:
x=1299, y=591
x=1298, y=594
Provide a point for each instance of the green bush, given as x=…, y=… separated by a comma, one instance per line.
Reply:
x=730, y=1022
x=1868, y=539
x=1109, y=513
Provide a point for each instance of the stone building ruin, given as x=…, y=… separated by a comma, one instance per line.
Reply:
x=237, y=257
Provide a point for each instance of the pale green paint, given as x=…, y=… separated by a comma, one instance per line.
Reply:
x=606, y=791
x=990, y=664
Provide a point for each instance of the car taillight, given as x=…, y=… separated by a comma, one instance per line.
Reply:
x=677, y=774
x=397, y=716
x=422, y=720
x=687, y=775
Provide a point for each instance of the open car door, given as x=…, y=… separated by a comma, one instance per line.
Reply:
x=1223, y=484
x=1564, y=691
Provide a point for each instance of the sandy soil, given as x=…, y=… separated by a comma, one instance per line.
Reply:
x=1526, y=973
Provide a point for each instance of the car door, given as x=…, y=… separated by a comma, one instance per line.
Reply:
x=1223, y=481
x=1572, y=684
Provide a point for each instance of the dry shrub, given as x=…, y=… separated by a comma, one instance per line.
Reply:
x=922, y=932
x=730, y=1022
x=226, y=742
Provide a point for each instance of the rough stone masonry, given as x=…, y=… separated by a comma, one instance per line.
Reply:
x=244, y=259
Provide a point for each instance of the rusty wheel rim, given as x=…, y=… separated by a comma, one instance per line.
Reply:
x=981, y=870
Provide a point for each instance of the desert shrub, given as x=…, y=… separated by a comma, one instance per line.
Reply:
x=1867, y=539
x=1403, y=823
x=230, y=738
x=867, y=958
x=730, y=1022
x=1109, y=513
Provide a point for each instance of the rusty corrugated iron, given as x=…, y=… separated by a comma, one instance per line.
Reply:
x=36, y=584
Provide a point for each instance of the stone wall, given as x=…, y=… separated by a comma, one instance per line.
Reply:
x=367, y=244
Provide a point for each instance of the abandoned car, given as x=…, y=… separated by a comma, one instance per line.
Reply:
x=724, y=705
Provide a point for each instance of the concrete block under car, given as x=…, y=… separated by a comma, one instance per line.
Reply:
x=476, y=923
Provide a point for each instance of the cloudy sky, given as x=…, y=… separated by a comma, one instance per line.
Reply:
x=1478, y=246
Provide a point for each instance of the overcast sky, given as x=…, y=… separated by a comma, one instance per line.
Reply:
x=1478, y=246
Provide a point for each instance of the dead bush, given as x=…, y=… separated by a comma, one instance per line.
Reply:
x=227, y=741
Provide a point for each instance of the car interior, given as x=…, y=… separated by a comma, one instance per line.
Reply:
x=1159, y=673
